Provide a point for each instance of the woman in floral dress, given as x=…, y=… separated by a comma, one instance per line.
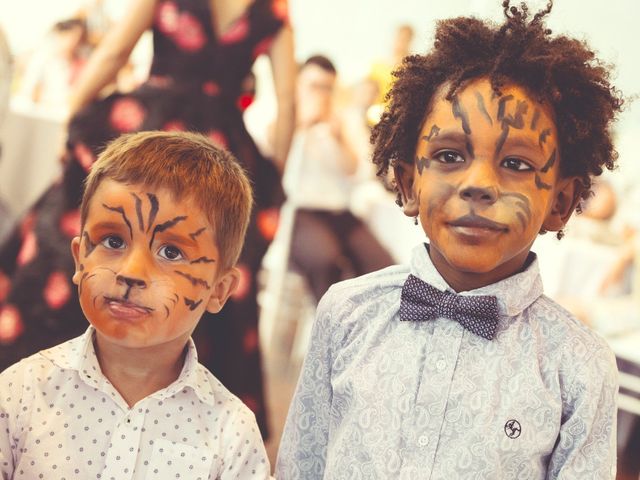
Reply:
x=203, y=50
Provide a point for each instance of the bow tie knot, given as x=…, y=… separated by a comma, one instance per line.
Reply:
x=477, y=313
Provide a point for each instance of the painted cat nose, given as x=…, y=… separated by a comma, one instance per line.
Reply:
x=479, y=194
x=131, y=282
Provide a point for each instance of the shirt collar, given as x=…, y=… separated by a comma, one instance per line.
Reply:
x=514, y=294
x=79, y=355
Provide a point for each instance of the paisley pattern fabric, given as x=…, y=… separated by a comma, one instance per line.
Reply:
x=380, y=398
x=195, y=83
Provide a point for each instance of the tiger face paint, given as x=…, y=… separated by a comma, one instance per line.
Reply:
x=147, y=266
x=485, y=181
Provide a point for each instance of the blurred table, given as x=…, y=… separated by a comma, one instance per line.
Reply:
x=30, y=138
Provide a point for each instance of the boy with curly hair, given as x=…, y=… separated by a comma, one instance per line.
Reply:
x=163, y=220
x=456, y=365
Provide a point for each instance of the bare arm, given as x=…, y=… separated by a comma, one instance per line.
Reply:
x=283, y=68
x=112, y=53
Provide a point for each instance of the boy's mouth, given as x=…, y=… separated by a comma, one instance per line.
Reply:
x=124, y=308
x=477, y=222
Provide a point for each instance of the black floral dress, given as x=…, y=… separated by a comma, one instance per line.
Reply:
x=195, y=83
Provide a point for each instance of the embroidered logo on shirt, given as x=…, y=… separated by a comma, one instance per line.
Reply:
x=513, y=429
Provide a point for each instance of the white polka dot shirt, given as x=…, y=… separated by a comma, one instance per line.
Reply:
x=61, y=419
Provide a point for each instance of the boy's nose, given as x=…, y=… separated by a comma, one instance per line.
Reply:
x=486, y=195
x=131, y=282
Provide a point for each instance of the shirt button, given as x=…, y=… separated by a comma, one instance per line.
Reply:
x=423, y=440
x=441, y=364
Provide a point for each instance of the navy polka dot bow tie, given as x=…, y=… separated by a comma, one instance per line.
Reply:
x=420, y=301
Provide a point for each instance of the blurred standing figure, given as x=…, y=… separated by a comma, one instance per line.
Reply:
x=203, y=49
x=5, y=89
x=328, y=242
x=381, y=69
x=52, y=70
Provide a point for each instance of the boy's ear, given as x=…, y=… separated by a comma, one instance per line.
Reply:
x=223, y=288
x=404, y=175
x=75, y=251
x=566, y=199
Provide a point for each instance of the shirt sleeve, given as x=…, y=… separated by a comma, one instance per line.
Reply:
x=303, y=447
x=586, y=446
x=245, y=455
x=11, y=398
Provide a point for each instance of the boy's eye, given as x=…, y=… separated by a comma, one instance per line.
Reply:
x=449, y=156
x=513, y=163
x=170, y=252
x=113, y=242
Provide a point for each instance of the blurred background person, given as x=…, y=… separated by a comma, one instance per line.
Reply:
x=328, y=242
x=53, y=69
x=202, y=53
x=5, y=89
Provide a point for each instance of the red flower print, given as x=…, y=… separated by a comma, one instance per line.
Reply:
x=70, y=223
x=244, y=101
x=126, y=115
x=159, y=81
x=236, y=32
x=250, y=340
x=190, y=35
x=29, y=248
x=262, y=46
x=244, y=285
x=84, y=155
x=11, y=326
x=217, y=138
x=57, y=290
x=27, y=224
x=267, y=222
x=167, y=17
x=4, y=286
x=210, y=88
x=174, y=126
x=280, y=9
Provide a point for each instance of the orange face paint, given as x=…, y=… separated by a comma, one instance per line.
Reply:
x=485, y=179
x=146, y=265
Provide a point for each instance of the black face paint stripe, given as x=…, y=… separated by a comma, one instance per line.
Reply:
x=139, y=211
x=164, y=226
x=523, y=222
x=89, y=246
x=521, y=201
x=541, y=185
x=502, y=104
x=435, y=130
x=516, y=121
x=82, y=279
x=534, y=120
x=552, y=160
x=120, y=210
x=166, y=309
x=422, y=163
x=153, y=211
x=197, y=232
x=459, y=112
x=482, y=108
x=469, y=147
x=194, y=280
x=543, y=136
x=203, y=260
x=191, y=303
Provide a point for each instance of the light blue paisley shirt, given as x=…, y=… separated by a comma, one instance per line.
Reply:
x=383, y=399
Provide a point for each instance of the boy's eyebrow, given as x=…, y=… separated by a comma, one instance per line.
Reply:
x=522, y=141
x=177, y=238
x=121, y=211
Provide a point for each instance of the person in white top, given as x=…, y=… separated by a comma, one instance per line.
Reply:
x=329, y=243
x=163, y=220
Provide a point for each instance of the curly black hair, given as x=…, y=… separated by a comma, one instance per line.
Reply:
x=559, y=71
